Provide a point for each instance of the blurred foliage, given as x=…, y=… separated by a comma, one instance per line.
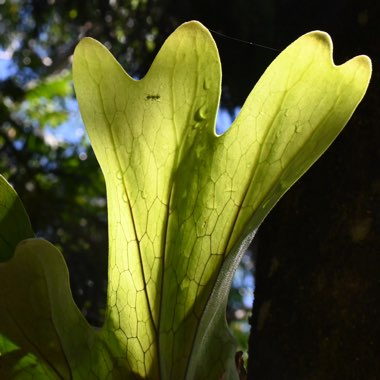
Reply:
x=241, y=300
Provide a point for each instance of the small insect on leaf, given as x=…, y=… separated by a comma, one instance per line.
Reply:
x=152, y=97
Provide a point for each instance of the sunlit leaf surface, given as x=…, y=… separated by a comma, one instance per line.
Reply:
x=183, y=203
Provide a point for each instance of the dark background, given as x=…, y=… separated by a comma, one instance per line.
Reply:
x=316, y=312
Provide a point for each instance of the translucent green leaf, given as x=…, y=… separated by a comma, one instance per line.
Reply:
x=184, y=203
x=43, y=335
x=14, y=221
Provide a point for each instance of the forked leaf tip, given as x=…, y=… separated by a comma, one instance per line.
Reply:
x=360, y=62
x=364, y=62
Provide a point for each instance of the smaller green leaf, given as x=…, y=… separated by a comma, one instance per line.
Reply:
x=43, y=335
x=14, y=221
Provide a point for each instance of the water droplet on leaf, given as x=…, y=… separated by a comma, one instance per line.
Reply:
x=200, y=114
x=206, y=84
